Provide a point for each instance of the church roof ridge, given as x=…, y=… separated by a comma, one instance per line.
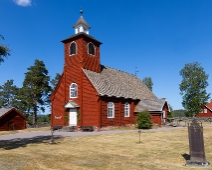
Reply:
x=120, y=71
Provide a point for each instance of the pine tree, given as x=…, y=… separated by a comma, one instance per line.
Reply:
x=4, y=50
x=148, y=82
x=55, y=80
x=144, y=120
x=36, y=90
x=8, y=93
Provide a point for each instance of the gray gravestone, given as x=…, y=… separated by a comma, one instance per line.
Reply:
x=196, y=145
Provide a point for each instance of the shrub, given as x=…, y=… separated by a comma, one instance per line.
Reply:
x=144, y=120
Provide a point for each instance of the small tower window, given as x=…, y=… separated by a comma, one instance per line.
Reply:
x=73, y=48
x=91, y=49
x=73, y=90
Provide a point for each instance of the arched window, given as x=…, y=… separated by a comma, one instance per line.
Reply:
x=91, y=49
x=73, y=90
x=73, y=48
x=110, y=110
x=126, y=110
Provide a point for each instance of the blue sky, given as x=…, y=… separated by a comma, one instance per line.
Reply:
x=157, y=36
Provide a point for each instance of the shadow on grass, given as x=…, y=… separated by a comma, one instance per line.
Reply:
x=20, y=142
x=186, y=156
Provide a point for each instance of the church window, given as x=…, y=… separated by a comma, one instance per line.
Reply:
x=73, y=90
x=127, y=110
x=73, y=48
x=110, y=110
x=91, y=49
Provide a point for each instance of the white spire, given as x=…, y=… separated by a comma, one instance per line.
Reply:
x=81, y=25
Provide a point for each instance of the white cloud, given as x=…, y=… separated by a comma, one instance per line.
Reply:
x=23, y=2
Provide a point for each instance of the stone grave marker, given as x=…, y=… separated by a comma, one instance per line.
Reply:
x=196, y=145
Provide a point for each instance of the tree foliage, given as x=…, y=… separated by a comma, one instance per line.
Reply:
x=8, y=94
x=4, y=51
x=193, y=88
x=55, y=80
x=148, y=82
x=170, y=113
x=144, y=120
x=34, y=95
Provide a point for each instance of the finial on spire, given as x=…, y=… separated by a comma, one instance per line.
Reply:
x=81, y=11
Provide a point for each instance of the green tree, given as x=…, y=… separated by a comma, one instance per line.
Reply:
x=170, y=113
x=8, y=93
x=144, y=120
x=36, y=90
x=22, y=103
x=148, y=82
x=55, y=80
x=193, y=88
x=4, y=51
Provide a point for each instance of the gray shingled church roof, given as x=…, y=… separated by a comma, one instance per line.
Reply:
x=81, y=21
x=150, y=104
x=112, y=82
x=4, y=110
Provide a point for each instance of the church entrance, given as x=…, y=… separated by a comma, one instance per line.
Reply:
x=73, y=117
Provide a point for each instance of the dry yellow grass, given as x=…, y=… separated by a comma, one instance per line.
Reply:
x=25, y=130
x=158, y=150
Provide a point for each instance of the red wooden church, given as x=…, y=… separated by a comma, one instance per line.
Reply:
x=91, y=94
x=11, y=119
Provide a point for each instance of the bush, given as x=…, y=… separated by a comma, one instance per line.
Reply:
x=144, y=120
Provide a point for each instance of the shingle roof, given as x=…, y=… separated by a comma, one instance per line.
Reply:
x=81, y=21
x=112, y=82
x=81, y=34
x=4, y=110
x=150, y=104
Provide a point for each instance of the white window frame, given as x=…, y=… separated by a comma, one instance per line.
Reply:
x=110, y=110
x=126, y=109
x=205, y=110
x=73, y=90
x=70, y=48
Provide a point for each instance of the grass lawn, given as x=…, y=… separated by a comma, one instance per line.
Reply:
x=158, y=150
x=26, y=130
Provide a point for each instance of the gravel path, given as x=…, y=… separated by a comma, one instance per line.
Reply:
x=57, y=134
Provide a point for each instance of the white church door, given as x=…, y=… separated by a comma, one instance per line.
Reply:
x=73, y=117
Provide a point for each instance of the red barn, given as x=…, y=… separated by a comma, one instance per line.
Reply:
x=91, y=94
x=206, y=110
x=11, y=119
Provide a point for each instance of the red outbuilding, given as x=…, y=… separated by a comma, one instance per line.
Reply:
x=91, y=94
x=206, y=110
x=11, y=119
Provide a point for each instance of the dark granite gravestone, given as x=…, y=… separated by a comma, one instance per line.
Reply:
x=196, y=145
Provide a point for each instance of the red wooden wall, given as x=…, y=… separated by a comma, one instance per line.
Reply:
x=58, y=103
x=119, y=119
x=18, y=121
x=156, y=118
